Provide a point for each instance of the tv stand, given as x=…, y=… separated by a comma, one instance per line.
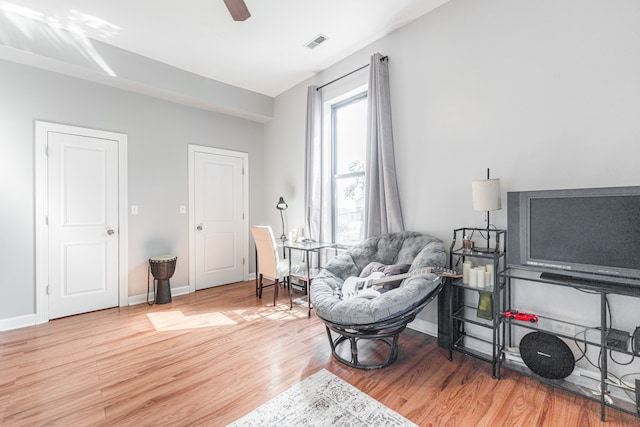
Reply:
x=559, y=277
x=519, y=276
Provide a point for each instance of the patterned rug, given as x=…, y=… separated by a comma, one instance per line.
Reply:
x=323, y=399
x=301, y=301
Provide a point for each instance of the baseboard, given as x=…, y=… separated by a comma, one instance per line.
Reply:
x=32, y=319
x=18, y=322
x=428, y=328
x=142, y=298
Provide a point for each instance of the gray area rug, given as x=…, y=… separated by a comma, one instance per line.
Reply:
x=323, y=399
x=302, y=301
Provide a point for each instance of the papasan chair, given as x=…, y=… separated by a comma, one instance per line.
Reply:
x=379, y=320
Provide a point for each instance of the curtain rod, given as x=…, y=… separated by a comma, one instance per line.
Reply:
x=384, y=58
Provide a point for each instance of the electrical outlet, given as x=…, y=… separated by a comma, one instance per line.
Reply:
x=563, y=328
x=134, y=209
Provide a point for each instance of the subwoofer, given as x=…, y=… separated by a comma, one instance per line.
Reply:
x=547, y=355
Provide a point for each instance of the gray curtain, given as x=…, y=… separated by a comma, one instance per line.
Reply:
x=382, y=201
x=313, y=165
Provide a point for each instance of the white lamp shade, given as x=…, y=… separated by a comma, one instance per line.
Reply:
x=486, y=195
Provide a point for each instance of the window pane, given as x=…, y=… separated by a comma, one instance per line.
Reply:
x=350, y=135
x=349, y=209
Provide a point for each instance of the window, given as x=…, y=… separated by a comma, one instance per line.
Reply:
x=348, y=142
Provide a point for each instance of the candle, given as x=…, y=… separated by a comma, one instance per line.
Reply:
x=480, y=276
x=466, y=266
x=490, y=271
x=473, y=277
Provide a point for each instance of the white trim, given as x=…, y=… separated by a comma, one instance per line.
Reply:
x=18, y=322
x=42, y=236
x=41, y=205
x=192, y=221
x=123, y=219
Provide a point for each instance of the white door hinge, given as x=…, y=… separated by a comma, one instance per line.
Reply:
x=47, y=289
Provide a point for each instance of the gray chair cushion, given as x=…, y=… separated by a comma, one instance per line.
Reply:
x=407, y=247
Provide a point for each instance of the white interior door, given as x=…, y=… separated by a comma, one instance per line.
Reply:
x=218, y=217
x=83, y=224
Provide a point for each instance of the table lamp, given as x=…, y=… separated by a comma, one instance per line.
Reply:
x=281, y=206
x=486, y=197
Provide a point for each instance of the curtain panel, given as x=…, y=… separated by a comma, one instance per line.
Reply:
x=313, y=165
x=383, y=213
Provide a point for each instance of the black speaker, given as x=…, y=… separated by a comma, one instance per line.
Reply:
x=455, y=294
x=547, y=355
x=636, y=342
x=638, y=395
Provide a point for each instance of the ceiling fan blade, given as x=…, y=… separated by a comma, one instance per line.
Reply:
x=237, y=9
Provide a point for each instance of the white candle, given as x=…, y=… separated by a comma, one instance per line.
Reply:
x=480, y=272
x=466, y=266
x=490, y=271
x=488, y=278
x=473, y=277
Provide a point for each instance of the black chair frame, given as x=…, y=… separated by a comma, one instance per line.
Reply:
x=385, y=331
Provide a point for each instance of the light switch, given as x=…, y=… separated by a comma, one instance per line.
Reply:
x=134, y=209
x=183, y=209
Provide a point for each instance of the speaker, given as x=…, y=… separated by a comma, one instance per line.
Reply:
x=638, y=395
x=547, y=355
x=636, y=341
x=455, y=294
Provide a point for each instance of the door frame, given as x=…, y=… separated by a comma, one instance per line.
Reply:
x=42, y=129
x=193, y=149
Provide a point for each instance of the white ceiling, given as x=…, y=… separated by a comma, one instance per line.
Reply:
x=265, y=53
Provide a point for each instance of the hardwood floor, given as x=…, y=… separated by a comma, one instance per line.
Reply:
x=209, y=358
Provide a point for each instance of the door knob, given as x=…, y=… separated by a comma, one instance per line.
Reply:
x=110, y=232
x=199, y=227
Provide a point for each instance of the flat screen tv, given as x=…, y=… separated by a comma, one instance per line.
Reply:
x=591, y=233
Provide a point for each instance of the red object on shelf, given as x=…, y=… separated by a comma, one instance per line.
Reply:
x=520, y=315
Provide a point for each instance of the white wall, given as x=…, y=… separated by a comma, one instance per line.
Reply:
x=158, y=134
x=544, y=93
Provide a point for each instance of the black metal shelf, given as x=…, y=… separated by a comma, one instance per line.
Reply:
x=458, y=283
x=592, y=282
x=458, y=314
x=515, y=275
x=544, y=325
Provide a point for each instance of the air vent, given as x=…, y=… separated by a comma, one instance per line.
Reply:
x=319, y=39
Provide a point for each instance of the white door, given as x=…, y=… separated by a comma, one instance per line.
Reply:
x=218, y=207
x=83, y=223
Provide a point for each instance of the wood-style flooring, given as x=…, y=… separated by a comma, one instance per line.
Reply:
x=208, y=358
